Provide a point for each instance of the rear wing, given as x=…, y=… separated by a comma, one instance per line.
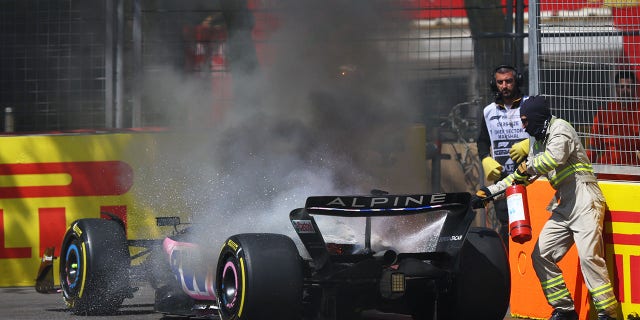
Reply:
x=385, y=205
x=457, y=222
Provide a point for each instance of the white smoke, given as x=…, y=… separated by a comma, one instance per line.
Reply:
x=304, y=124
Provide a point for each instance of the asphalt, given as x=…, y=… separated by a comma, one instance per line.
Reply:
x=24, y=303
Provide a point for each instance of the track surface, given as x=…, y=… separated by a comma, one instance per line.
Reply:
x=25, y=303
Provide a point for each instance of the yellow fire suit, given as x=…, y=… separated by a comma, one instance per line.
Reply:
x=577, y=214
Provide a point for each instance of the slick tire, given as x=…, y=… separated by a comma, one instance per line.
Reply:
x=259, y=276
x=94, y=267
x=482, y=287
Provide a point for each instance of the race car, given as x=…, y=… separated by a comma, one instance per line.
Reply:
x=417, y=255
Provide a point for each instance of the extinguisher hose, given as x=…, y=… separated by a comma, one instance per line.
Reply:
x=493, y=196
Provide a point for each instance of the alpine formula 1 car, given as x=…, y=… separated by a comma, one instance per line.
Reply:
x=445, y=270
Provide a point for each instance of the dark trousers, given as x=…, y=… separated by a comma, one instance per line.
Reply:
x=502, y=214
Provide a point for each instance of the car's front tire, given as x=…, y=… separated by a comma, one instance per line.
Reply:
x=94, y=267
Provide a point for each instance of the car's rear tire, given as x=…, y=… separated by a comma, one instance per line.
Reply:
x=259, y=276
x=94, y=267
x=482, y=286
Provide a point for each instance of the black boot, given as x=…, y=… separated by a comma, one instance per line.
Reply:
x=564, y=315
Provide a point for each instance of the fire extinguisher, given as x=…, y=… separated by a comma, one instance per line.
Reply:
x=518, y=208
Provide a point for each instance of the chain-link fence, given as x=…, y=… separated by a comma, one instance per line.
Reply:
x=69, y=64
x=52, y=64
x=586, y=63
x=123, y=63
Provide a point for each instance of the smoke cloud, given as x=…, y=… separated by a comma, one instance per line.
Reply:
x=307, y=122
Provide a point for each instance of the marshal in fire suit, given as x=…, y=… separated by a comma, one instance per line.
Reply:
x=577, y=210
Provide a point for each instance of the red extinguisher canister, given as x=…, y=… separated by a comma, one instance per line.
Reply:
x=518, y=207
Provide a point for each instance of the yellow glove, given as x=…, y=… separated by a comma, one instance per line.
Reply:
x=492, y=169
x=519, y=151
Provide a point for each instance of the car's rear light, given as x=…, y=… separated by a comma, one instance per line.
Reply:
x=392, y=284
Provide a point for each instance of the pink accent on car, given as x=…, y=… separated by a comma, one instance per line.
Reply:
x=196, y=275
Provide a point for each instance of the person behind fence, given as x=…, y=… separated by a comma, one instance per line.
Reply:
x=615, y=133
x=577, y=210
x=502, y=143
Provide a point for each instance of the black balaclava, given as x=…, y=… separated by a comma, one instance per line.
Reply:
x=538, y=114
